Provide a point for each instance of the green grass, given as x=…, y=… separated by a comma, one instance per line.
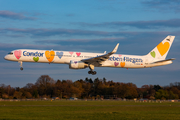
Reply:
x=88, y=110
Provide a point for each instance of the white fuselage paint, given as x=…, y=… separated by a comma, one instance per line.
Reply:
x=64, y=57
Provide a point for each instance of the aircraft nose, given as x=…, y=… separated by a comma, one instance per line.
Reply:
x=6, y=57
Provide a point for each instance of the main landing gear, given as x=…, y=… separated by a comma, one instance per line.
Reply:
x=20, y=65
x=91, y=67
x=92, y=72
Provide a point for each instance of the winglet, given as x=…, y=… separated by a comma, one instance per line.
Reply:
x=115, y=49
x=100, y=58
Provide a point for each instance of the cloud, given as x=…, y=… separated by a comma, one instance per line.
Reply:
x=53, y=32
x=163, y=5
x=161, y=2
x=12, y=46
x=15, y=16
x=78, y=40
x=129, y=43
x=70, y=15
x=7, y=47
x=84, y=40
x=154, y=24
x=42, y=32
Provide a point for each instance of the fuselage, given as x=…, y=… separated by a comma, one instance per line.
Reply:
x=65, y=57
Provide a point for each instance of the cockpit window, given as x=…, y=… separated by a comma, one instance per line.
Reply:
x=10, y=53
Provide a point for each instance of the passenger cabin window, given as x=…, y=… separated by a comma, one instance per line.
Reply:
x=10, y=53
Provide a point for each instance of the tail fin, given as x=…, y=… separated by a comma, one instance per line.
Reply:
x=162, y=49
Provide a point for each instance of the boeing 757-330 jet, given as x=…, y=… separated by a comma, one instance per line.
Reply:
x=81, y=60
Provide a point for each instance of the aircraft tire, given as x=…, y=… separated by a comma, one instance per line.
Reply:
x=94, y=72
x=89, y=72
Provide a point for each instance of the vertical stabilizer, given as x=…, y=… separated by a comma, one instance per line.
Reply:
x=162, y=49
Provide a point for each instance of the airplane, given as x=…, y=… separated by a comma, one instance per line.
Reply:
x=82, y=60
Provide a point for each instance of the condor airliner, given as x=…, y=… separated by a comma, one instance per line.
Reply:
x=81, y=60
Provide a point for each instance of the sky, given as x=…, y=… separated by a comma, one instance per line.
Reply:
x=88, y=26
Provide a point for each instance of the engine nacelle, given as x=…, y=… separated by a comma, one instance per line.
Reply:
x=74, y=64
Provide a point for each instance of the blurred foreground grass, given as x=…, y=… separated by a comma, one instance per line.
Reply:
x=89, y=110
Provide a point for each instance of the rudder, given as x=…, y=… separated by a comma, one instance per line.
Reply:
x=162, y=49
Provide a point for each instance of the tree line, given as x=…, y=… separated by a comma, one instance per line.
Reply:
x=47, y=87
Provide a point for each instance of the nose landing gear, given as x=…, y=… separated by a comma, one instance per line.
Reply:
x=21, y=65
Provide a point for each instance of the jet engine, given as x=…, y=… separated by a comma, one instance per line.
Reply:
x=74, y=64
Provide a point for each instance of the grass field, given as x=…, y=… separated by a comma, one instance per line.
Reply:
x=89, y=110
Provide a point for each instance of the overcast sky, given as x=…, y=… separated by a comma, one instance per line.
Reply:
x=88, y=26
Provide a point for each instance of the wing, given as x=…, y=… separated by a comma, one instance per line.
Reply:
x=101, y=58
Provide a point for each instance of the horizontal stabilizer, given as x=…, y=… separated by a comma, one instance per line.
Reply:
x=164, y=60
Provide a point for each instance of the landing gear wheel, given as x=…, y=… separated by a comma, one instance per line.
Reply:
x=21, y=68
x=92, y=72
x=89, y=72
